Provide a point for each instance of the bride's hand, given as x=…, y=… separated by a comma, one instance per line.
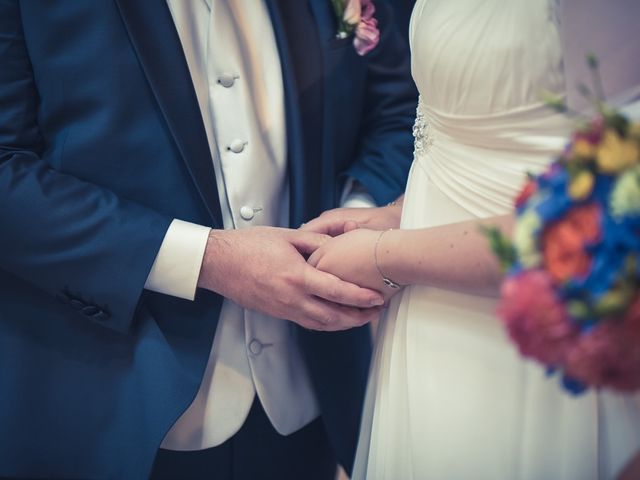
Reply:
x=340, y=220
x=351, y=258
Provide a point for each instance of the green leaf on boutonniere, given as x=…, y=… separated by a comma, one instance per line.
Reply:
x=344, y=28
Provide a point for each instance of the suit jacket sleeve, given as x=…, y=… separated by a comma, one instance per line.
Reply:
x=67, y=237
x=385, y=153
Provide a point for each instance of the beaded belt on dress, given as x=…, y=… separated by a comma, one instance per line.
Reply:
x=480, y=161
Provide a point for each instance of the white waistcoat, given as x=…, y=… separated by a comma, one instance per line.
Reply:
x=232, y=55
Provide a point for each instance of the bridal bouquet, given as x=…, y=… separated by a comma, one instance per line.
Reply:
x=571, y=297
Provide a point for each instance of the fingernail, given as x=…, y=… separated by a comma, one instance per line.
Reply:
x=377, y=302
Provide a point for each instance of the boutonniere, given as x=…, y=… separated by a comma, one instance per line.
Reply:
x=355, y=17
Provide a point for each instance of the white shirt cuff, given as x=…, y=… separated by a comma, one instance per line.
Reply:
x=177, y=266
x=351, y=199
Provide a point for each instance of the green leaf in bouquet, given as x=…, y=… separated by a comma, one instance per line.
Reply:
x=596, y=79
x=553, y=101
x=579, y=310
x=585, y=91
x=525, y=238
x=500, y=245
x=615, y=301
x=592, y=61
x=630, y=267
x=617, y=122
x=625, y=196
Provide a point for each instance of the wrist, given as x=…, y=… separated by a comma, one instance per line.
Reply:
x=391, y=259
x=382, y=256
x=399, y=202
x=394, y=213
x=213, y=256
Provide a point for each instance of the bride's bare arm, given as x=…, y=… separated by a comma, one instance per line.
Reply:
x=455, y=257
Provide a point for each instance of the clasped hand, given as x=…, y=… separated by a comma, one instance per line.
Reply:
x=265, y=269
x=350, y=254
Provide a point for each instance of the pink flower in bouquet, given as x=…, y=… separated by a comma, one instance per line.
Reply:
x=535, y=318
x=564, y=242
x=586, y=141
x=594, y=131
x=609, y=354
x=367, y=32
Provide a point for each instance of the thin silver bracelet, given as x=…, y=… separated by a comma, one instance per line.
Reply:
x=386, y=280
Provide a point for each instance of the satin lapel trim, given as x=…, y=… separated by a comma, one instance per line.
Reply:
x=295, y=147
x=324, y=17
x=157, y=45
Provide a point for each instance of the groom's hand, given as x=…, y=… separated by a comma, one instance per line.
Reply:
x=341, y=220
x=263, y=268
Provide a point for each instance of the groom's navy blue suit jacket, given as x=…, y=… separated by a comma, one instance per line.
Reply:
x=101, y=146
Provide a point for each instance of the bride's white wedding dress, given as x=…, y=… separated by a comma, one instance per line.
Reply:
x=449, y=397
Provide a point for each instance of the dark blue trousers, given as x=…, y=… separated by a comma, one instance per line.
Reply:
x=256, y=452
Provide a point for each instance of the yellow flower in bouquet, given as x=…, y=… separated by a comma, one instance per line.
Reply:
x=581, y=185
x=583, y=149
x=616, y=153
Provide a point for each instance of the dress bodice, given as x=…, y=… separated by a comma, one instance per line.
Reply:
x=481, y=67
x=479, y=57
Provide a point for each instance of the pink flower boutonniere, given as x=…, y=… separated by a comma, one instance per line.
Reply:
x=356, y=17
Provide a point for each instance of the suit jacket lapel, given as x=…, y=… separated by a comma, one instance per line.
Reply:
x=324, y=15
x=155, y=39
x=295, y=146
x=299, y=33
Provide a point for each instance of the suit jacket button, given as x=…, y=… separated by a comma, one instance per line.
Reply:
x=91, y=310
x=101, y=316
x=77, y=304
